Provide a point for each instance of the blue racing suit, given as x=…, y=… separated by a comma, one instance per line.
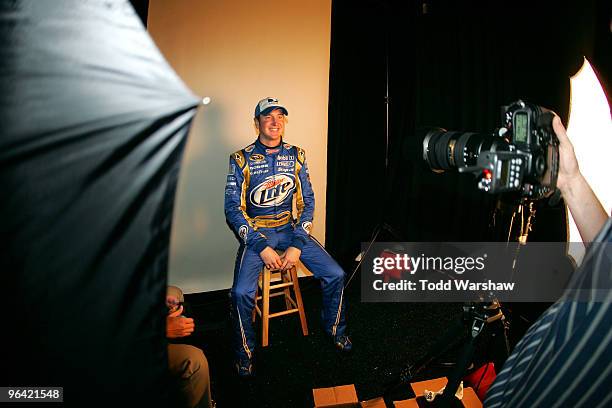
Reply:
x=259, y=192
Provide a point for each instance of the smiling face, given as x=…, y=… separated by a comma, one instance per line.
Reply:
x=271, y=127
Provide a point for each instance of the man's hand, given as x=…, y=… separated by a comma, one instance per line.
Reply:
x=270, y=258
x=582, y=202
x=177, y=325
x=568, y=165
x=290, y=258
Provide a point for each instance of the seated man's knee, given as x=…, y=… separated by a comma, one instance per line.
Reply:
x=189, y=367
x=242, y=294
x=336, y=273
x=186, y=360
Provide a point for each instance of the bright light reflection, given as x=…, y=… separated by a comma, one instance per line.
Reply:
x=590, y=130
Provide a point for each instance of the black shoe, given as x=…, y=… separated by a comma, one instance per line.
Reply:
x=244, y=368
x=343, y=343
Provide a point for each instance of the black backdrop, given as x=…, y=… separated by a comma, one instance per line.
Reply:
x=452, y=65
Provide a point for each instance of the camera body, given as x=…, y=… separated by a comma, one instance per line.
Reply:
x=522, y=156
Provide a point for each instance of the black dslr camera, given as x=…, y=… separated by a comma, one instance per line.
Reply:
x=521, y=156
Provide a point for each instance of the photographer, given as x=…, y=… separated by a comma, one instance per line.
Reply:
x=564, y=358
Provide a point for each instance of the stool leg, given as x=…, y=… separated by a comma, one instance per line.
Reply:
x=266, y=307
x=287, y=278
x=298, y=300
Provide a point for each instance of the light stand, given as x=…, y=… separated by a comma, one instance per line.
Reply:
x=381, y=224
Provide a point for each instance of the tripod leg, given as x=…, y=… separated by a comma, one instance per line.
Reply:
x=400, y=388
x=452, y=335
x=454, y=379
x=500, y=349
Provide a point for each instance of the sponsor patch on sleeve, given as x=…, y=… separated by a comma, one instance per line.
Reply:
x=239, y=158
x=243, y=231
x=307, y=226
x=230, y=184
x=301, y=155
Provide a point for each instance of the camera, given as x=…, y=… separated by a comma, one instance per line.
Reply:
x=521, y=156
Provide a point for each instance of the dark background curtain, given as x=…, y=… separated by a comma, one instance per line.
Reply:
x=451, y=64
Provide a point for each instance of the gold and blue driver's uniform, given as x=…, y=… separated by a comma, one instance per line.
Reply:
x=259, y=192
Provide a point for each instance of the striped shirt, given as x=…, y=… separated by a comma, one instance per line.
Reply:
x=565, y=359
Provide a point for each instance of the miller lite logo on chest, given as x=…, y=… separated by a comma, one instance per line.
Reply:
x=273, y=190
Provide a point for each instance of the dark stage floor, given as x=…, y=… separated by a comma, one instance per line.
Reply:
x=385, y=337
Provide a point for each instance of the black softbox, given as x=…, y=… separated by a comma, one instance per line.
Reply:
x=93, y=126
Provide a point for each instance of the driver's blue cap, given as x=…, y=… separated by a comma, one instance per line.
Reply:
x=267, y=105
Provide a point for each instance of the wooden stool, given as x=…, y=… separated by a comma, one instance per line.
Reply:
x=268, y=288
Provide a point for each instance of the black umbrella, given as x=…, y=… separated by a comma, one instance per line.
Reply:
x=93, y=127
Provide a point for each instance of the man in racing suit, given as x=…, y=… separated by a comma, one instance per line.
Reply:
x=263, y=179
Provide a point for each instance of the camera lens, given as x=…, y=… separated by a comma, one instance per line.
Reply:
x=444, y=150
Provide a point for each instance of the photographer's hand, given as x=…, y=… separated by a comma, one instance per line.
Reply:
x=569, y=172
x=586, y=209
